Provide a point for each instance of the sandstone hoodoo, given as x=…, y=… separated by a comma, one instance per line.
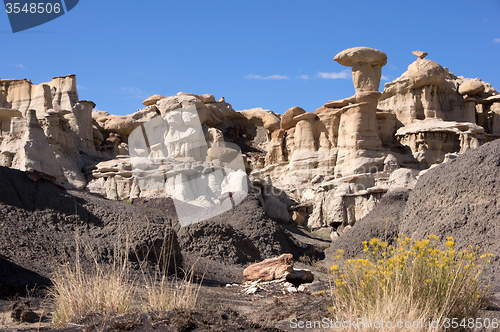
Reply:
x=324, y=169
x=358, y=140
x=366, y=66
x=257, y=200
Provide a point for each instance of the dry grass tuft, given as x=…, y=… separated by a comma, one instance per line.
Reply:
x=169, y=295
x=77, y=293
x=107, y=290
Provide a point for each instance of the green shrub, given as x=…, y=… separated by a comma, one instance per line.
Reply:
x=410, y=281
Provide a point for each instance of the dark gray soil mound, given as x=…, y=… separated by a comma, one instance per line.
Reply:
x=382, y=222
x=235, y=238
x=221, y=247
x=461, y=199
x=40, y=224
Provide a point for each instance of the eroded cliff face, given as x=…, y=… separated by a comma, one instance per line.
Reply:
x=418, y=120
x=326, y=168
x=22, y=95
x=46, y=128
x=464, y=110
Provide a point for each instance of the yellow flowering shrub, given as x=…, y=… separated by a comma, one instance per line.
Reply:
x=428, y=280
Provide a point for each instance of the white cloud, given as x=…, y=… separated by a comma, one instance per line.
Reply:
x=270, y=77
x=385, y=78
x=80, y=87
x=135, y=93
x=303, y=77
x=340, y=75
x=18, y=65
x=496, y=41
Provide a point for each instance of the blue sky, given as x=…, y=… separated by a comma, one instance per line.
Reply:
x=269, y=54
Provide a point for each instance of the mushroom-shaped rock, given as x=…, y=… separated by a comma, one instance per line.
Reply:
x=206, y=98
x=152, y=100
x=425, y=72
x=366, y=66
x=9, y=113
x=420, y=54
x=357, y=55
x=420, y=73
x=304, y=116
x=59, y=113
x=471, y=88
x=122, y=125
x=259, y=116
x=337, y=103
x=294, y=115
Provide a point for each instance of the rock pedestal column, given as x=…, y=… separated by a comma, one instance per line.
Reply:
x=358, y=140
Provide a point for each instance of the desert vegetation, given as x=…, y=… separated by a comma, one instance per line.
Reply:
x=410, y=281
x=109, y=290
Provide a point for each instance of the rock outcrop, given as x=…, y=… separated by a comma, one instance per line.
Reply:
x=22, y=95
x=382, y=222
x=460, y=199
x=42, y=225
x=419, y=119
x=431, y=139
x=46, y=128
x=325, y=169
x=358, y=141
x=427, y=90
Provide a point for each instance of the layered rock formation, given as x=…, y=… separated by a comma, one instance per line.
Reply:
x=338, y=164
x=337, y=148
x=22, y=95
x=431, y=139
x=326, y=168
x=358, y=140
x=46, y=128
x=438, y=112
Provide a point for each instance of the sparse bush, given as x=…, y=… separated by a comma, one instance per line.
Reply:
x=411, y=281
x=77, y=293
x=310, y=260
x=168, y=295
x=108, y=290
x=306, y=259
